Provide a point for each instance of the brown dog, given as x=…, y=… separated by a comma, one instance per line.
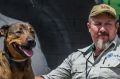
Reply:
x=15, y=60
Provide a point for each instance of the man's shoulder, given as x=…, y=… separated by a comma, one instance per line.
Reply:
x=118, y=40
x=80, y=52
x=85, y=48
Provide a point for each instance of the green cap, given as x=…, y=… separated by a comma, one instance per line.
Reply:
x=98, y=9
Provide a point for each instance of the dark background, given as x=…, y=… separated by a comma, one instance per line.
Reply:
x=60, y=24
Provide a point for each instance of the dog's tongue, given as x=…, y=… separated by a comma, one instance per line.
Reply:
x=28, y=52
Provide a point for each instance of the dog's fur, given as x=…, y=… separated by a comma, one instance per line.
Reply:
x=15, y=62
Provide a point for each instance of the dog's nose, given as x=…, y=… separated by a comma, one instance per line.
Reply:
x=31, y=42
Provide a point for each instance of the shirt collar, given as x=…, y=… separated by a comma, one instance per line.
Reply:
x=87, y=49
x=90, y=48
x=115, y=42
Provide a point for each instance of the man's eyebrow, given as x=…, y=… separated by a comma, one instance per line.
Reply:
x=96, y=21
x=109, y=20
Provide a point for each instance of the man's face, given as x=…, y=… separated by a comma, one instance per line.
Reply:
x=103, y=28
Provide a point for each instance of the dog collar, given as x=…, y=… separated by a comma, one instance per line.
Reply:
x=19, y=60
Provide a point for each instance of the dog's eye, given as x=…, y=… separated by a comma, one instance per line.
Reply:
x=32, y=32
x=18, y=32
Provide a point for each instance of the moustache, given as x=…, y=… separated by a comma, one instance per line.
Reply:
x=103, y=34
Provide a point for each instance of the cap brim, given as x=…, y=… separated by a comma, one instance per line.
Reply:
x=108, y=11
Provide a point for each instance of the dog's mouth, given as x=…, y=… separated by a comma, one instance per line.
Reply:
x=24, y=50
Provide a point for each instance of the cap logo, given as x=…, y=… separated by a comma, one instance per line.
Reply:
x=104, y=7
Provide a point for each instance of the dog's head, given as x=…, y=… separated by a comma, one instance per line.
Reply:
x=19, y=39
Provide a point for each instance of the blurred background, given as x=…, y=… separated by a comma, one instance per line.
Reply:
x=60, y=26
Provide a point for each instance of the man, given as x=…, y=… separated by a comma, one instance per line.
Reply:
x=100, y=60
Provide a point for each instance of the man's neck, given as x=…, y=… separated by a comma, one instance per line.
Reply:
x=97, y=52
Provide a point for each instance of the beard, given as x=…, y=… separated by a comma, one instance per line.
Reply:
x=101, y=45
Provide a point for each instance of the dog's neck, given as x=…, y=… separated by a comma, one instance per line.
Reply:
x=12, y=58
x=15, y=64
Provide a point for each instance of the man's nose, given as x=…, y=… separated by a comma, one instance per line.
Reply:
x=102, y=28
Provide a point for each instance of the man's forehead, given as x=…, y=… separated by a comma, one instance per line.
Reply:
x=98, y=20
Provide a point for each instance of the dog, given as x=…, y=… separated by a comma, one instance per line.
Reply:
x=15, y=59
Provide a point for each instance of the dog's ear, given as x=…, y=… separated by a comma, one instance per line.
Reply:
x=3, y=30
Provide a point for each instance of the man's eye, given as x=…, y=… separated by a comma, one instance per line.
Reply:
x=97, y=24
x=108, y=24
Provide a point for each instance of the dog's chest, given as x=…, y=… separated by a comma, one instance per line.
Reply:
x=22, y=70
x=14, y=71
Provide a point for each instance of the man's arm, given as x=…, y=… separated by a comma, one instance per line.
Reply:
x=61, y=72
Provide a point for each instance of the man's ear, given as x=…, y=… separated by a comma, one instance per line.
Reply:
x=3, y=30
x=88, y=25
x=117, y=25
